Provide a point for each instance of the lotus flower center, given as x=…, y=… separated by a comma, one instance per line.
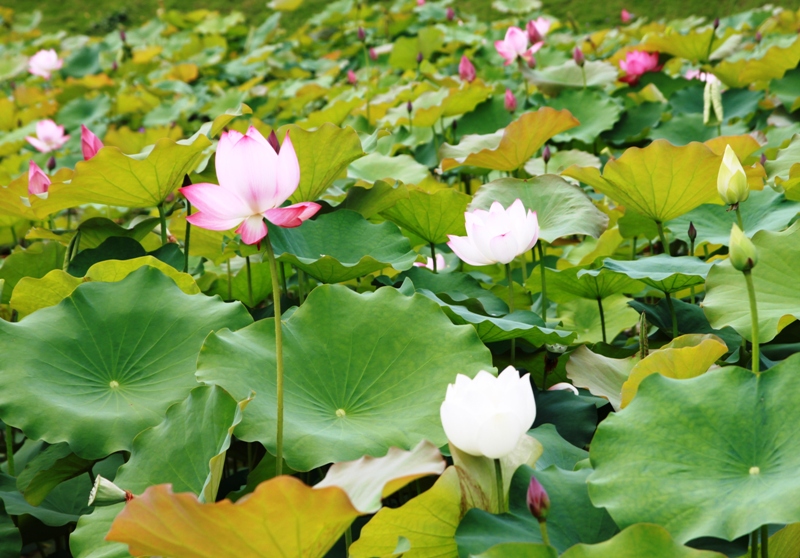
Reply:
x=754, y=470
x=113, y=384
x=340, y=413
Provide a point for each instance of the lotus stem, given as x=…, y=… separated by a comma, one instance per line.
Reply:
x=10, y=451
x=276, y=298
x=754, y=544
x=283, y=278
x=163, y=218
x=602, y=318
x=739, y=218
x=544, y=281
x=663, y=238
x=348, y=540
x=510, y=308
x=691, y=289
x=751, y=293
x=433, y=257
x=764, y=542
x=249, y=282
x=633, y=247
x=230, y=279
x=543, y=529
x=672, y=315
x=186, y=238
x=498, y=477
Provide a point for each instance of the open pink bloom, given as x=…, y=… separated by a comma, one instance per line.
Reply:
x=537, y=29
x=254, y=180
x=44, y=62
x=49, y=136
x=510, y=101
x=90, y=143
x=440, y=263
x=625, y=16
x=466, y=70
x=515, y=45
x=638, y=63
x=496, y=236
x=38, y=181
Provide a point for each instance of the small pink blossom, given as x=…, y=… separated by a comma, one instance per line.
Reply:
x=515, y=45
x=702, y=76
x=49, y=136
x=637, y=63
x=420, y=2
x=625, y=16
x=510, y=101
x=90, y=143
x=44, y=62
x=578, y=57
x=537, y=29
x=466, y=70
x=440, y=263
x=38, y=181
x=352, y=78
x=254, y=180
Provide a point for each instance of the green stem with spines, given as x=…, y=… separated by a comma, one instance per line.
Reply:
x=276, y=298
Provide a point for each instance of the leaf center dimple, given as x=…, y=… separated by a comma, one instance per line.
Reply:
x=340, y=413
x=754, y=470
x=113, y=384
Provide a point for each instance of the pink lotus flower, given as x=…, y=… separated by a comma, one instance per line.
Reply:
x=496, y=236
x=510, y=101
x=515, y=45
x=537, y=29
x=636, y=64
x=254, y=180
x=466, y=70
x=625, y=16
x=440, y=263
x=49, y=136
x=352, y=78
x=44, y=62
x=702, y=76
x=90, y=143
x=38, y=181
x=420, y=2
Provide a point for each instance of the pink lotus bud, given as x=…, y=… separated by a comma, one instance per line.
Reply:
x=716, y=24
x=38, y=181
x=409, y=107
x=692, y=232
x=538, y=500
x=466, y=70
x=531, y=62
x=420, y=2
x=763, y=159
x=759, y=36
x=51, y=163
x=373, y=55
x=546, y=154
x=451, y=14
x=114, y=66
x=362, y=35
x=625, y=16
x=420, y=58
x=352, y=78
x=578, y=57
x=122, y=35
x=90, y=143
x=510, y=101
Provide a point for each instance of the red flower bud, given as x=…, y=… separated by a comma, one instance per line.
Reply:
x=546, y=154
x=362, y=35
x=451, y=14
x=692, y=232
x=538, y=500
x=578, y=57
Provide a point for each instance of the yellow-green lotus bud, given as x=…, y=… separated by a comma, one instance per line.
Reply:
x=106, y=493
x=742, y=251
x=732, y=180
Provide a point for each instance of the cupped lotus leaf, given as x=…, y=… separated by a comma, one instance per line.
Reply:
x=96, y=230
x=510, y=148
x=561, y=208
x=581, y=281
x=518, y=550
x=430, y=215
x=457, y=287
x=36, y=262
x=113, y=178
x=663, y=272
x=582, y=316
x=351, y=389
x=323, y=155
x=370, y=479
x=784, y=170
x=719, y=463
x=596, y=111
x=204, y=423
x=62, y=506
x=774, y=279
x=572, y=518
x=47, y=470
x=31, y=294
x=561, y=160
x=764, y=211
x=641, y=539
x=283, y=517
x=773, y=64
x=342, y=245
x=116, y=354
x=554, y=79
x=601, y=375
x=661, y=181
x=376, y=166
x=684, y=357
x=371, y=199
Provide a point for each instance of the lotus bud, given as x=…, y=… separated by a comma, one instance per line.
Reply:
x=716, y=24
x=451, y=14
x=373, y=55
x=534, y=36
x=759, y=36
x=466, y=70
x=114, y=66
x=578, y=57
x=741, y=250
x=732, y=180
x=531, y=62
x=106, y=493
x=546, y=154
x=272, y=139
x=38, y=181
x=510, y=101
x=51, y=163
x=625, y=16
x=409, y=107
x=538, y=500
x=763, y=159
x=420, y=58
x=692, y=232
x=351, y=77
x=90, y=143
x=362, y=35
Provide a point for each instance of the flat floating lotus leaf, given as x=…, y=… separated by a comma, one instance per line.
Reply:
x=63, y=505
x=370, y=479
x=601, y=375
x=775, y=281
x=106, y=362
x=113, y=178
x=204, y=422
x=719, y=462
x=663, y=272
x=510, y=148
x=430, y=215
x=561, y=208
x=564, y=285
x=684, y=357
x=572, y=518
x=765, y=210
x=637, y=541
x=661, y=181
x=283, y=517
x=597, y=112
x=342, y=245
x=351, y=388
x=553, y=79
x=773, y=64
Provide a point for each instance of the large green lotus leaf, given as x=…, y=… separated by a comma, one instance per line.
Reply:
x=10, y=539
x=572, y=518
x=510, y=148
x=561, y=208
x=63, y=505
x=107, y=361
x=581, y=281
x=371, y=199
x=637, y=541
x=96, y=230
x=774, y=278
x=773, y=64
x=601, y=375
x=376, y=166
x=47, y=470
x=766, y=210
x=113, y=178
x=553, y=79
x=323, y=155
x=719, y=463
x=663, y=272
x=596, y=111
x=35, y=261
x=636, y=122
x=342, y=245
x=351, y=388
x=556, y=450
x=430, y=215
x=661, y=181
x=460, y=288
x=582, y=316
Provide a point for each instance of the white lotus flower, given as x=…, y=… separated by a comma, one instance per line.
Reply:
x=732, y=180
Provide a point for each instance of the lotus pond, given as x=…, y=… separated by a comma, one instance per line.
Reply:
x=402, y=282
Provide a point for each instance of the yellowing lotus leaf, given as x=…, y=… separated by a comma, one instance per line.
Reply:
x=772, y=65
x=430, y=215
x=603, y=376
x=695, y=45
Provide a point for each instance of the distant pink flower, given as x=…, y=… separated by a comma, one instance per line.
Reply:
x=44, y=62
x=420, y=2
x=254, y=180
x=563, y=386
x=38, y=181
x=451, y=14
x=466, y=70
x=440, y=263
x=702, y=76
x=515, y=45
x=372, y=54
x=510, y=101
x=537, y=29
x=352, y=78
x=625, y=16
x=578, y=57
x=90, y=143
x=49, y=136
x=638, y=63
